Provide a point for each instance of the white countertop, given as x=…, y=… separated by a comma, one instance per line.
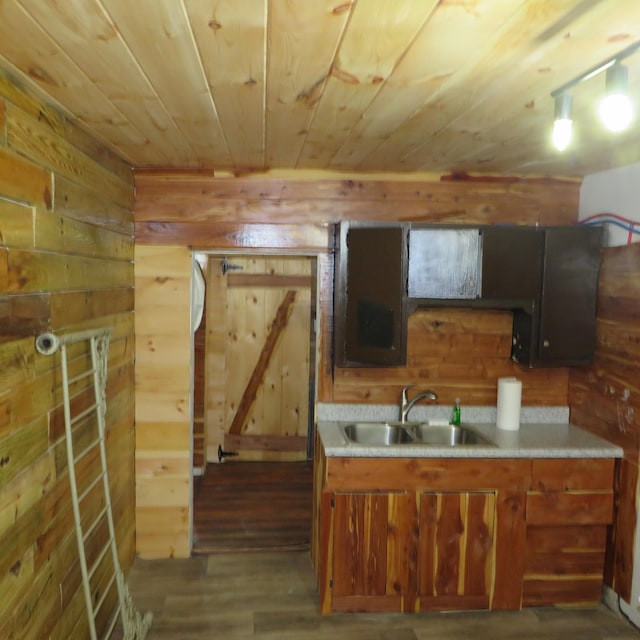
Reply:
x=534, y=440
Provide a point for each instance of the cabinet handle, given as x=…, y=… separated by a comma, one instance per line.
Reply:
x=545, y=343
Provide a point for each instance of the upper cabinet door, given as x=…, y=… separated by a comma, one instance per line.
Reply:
x=444, y=263
x=512, y=265
x=569, y=295
x=370, y=321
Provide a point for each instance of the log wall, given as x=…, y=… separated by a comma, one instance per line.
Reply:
x=66, y=264
x=458, y=352
x=605, y=397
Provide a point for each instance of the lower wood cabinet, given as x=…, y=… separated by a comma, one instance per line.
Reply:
x=407, y=552
x=569, y=509
x=456, y=550
x=372, y=550
x=406, y=535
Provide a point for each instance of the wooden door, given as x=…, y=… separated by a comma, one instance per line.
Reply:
x=259, y=356
x=373, y=551
x=456, y=550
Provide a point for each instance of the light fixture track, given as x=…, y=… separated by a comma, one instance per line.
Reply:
x=616, y=110
x=599, y=68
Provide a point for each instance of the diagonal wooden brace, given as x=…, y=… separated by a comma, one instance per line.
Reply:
x=276, y=330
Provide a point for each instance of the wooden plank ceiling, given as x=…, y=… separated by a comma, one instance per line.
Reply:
x=235, y=86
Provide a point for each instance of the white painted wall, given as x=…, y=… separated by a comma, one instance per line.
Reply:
x=615, y=191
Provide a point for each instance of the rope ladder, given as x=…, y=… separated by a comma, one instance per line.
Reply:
x=85, y=405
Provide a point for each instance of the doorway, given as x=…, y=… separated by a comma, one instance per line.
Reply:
x=254, y=399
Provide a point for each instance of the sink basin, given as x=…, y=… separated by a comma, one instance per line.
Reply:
x=447, y=435
x=415, y=433
x=377, y=433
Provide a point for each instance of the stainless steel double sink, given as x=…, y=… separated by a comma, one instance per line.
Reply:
x=375, y=434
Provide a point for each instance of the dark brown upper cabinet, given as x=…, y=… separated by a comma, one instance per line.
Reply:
x=548, y=278
x=370, y=314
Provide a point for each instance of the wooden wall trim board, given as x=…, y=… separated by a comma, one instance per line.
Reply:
x=66, y=264
x=196, y=198
x=273, y=238
x=163, y=400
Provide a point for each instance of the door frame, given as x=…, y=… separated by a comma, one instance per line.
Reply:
x=315, y=323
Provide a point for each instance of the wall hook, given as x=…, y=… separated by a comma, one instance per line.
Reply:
x=227, y=266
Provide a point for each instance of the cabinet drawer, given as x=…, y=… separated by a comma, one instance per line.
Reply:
x=571, y=508
x=565, y=550
x=572, y=474
x=564, y=565
x=583, y=591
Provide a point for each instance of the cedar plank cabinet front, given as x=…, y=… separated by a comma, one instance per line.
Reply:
x=569, y=510
x=407, y=534
x=456, y=554
x=371, y=550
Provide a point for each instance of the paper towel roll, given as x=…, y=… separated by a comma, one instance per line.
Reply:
x=509, y=397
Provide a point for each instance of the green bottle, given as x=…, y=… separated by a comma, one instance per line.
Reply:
x=455, y=414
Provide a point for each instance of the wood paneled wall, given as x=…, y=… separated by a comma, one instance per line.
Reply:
x=605, y=397
x=459, y=353
x=163, y=402
x=66, y=264
x=173, y=206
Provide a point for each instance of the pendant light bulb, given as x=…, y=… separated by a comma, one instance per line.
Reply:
x=562, y=123
x=615, y=108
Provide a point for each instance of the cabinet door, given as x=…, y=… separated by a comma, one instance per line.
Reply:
x=444, y=263
x=569, y=511
x=560, y=329
x=456, y=554
x=512, y=265
x=569, y=292
x=371, y=295
x=373, y=551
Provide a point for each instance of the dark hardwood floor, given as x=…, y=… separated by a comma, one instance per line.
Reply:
x=273, y=596
x=252, y=505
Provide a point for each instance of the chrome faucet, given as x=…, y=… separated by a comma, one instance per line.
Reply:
x=407, y=404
